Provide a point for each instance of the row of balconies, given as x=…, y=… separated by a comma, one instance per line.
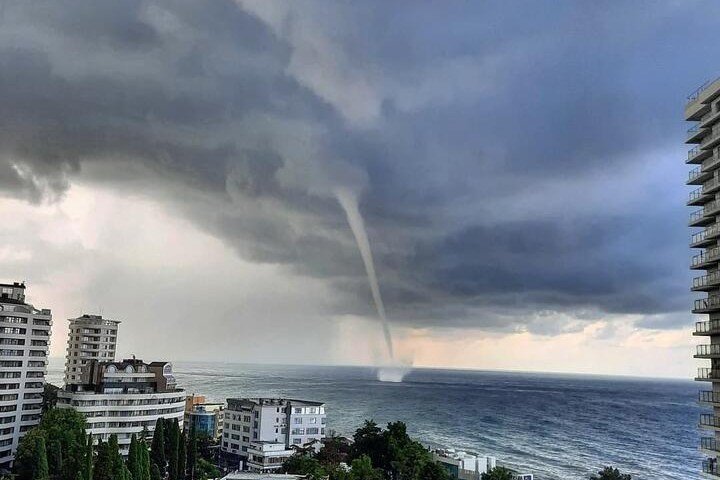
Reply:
x=707, y=305
x=708, y=327
x=707, y=351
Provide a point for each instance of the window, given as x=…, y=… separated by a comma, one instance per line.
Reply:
x=313, y=419
x=298, y=431
x=297, y=410
x=296, y=441
x=297, y=420
x=312, y=431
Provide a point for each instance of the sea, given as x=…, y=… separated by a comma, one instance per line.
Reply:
x=556, y=426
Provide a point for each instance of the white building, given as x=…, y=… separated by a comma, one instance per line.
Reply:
x=261, y=476
x=285, y=421
x=124, y=398
x=463, y=465
x=24, y=340
x=90, y=337
x=266, y=457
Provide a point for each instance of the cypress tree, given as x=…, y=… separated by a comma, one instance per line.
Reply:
x=145, y=461
x=182, y=456
x=117, y=467
x=173, y=448
x=157, y=450
x=88, y=459
x=134, y=463
x=192, y=453
x=155, y=472
x=41, y=471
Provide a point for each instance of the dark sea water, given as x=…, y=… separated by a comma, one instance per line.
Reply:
x=556, y=426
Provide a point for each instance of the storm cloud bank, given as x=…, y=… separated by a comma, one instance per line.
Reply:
x=508, y=171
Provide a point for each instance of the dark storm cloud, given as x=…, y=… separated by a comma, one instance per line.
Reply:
x=507, y=155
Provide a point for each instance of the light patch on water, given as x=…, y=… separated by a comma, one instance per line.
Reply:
x=393, y=373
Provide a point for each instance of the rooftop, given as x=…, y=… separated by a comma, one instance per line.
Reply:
x=274, y=401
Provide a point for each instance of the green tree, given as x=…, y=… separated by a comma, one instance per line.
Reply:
x=41, y=471
x=303, y=464
x=87, y=470
x=610, y=473
x=155, y=472
x=362, y=469
x=182, y=456
x=205, y=470
x=63, y=430
x=102, y=469
x=498, y=473
x=192, y=454
x=157, y=450
x=117, y=466
x=49, y=397
x=172, y=448
x=334, y=451
x=145, y=458
x=134, y=462
x=369, y=440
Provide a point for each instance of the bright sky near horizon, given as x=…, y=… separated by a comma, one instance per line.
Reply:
x=519, y=167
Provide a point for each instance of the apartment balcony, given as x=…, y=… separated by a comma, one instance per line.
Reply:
x=705, y=237
x=698, y=198
x=709, y=421
x=707, y=351
x=709, y=398
x=707, y=305
x=695, y=134
x=702, y=218
x=710, y=468
x=707, y=375
x=706, y=283
x=711, y=139
x=711, y=186
x=699, y=175
x=709, y=327
x=698, y=102
x=696, y=155
x=709, y=118
x=705, y=259
x=710, y=445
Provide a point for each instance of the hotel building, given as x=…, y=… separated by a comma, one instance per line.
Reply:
x=124, y=398
x=703, y=109
x=24, y=340
x=90, y=337
x=256, y=429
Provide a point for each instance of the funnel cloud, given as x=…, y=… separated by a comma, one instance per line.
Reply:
x=349, y=203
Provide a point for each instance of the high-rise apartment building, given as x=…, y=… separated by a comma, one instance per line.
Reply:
x=90, y=337
x=703, y=108
x=259, y=426
x=24, y=340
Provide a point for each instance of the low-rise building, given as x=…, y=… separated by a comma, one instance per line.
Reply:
x=124, y=398
x=262, y=476
x=293, y=423
x=462, y=465
x=266, y=457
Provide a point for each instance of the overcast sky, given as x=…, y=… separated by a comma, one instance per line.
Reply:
x=519, y=166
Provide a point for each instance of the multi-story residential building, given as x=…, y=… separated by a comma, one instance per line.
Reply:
x=292, y=423
x=124, y=398
x=703, y=107
x=90, y=337
x=24, y=340
x=267, y=457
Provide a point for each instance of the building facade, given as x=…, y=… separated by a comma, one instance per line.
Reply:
x=292, y=423
x=267, y=457
x=24, y=341
x=124, y=398
x=703, y=109
x=205, y=418
x=90, y=337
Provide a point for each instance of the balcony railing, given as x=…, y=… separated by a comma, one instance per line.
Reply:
x=709, y=255
x=709, y=420
x=710, y=467
x=703, y=328
x=695, y=94
x=708, y=396
x=696, y=194
x=705, y=373
x=709, y=443
x=710, y=303
x=709, y=232
x=707, y=350
x=696, y=216
x=694, y=173
x=706, y=280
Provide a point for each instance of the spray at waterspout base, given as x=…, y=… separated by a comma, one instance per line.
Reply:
x=392, y=373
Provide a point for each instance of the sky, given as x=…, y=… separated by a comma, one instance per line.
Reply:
x=519, y=167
